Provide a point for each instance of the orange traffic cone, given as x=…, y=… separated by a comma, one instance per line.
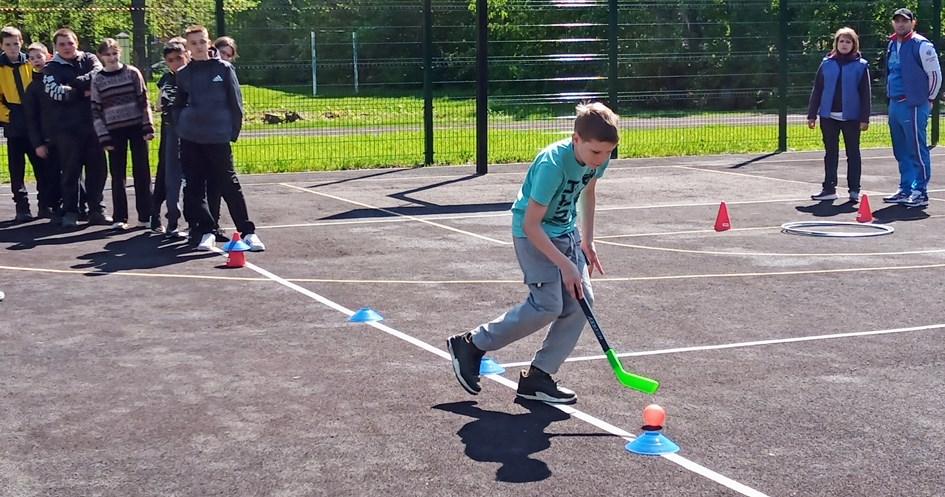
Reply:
x=865, y=214
x=722, y=222
x=236, y=251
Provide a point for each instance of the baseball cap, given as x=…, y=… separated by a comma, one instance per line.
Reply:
x=904, y=13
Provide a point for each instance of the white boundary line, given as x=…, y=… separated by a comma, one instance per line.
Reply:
x=596, y=280
x=770, y=254
x=587, y=418
x=755, y=343
x=388, y=211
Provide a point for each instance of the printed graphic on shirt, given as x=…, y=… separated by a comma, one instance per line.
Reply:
x=928, y=53
x=217, y=79
x=567, y=204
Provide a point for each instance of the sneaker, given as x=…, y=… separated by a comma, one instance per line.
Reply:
x=535, y=384
x=119, y=225
x=23, y=214
x=70, y=220
x=207, y=242
x=825, y=194
x=255, y=244
x=466, y=360
x=155, y=225
x=896, y=198
x=83, y=216
x=100, y=219
x=45, y=213
x=220, y=234
x=854, y=196
x=917, y=199
x=143, y=224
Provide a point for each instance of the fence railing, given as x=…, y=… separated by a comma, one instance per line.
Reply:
x=410, y=82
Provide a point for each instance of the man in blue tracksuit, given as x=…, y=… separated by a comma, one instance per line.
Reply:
x=913, y=80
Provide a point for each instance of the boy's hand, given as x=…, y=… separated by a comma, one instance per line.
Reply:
x=42, y=152
x=572, y=281
x=109, y=148
x=811, y=123
x=590, y=253
x=149, y=136
x=864, y=126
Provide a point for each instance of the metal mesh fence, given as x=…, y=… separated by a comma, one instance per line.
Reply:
x=331, y=85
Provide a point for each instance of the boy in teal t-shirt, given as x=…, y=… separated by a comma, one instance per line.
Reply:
x=556, y=260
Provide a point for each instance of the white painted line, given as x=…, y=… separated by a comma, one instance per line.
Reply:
x=388, y=211
x=587, y=418
x=770, y=254
x=381, y=220
x=756, y=343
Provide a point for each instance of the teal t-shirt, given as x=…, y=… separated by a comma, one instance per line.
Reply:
x=555, y=179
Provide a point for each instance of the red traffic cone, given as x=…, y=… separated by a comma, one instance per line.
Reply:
x=722, y=222
x=236, y=251
x=865, y=214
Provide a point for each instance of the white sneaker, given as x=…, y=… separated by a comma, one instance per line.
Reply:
x=255, y=244
x=207, y=242
x=855, y=196
x=119, y=226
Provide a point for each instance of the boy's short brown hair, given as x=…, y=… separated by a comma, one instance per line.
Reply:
x=11, y=32
x=595, y=121
x=108, y=44
x=37, y=46
x=64, y=32
x=196, y=28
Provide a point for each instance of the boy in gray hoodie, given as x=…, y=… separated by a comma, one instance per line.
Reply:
x=210, y=115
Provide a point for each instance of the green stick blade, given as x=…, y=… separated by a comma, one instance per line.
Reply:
x=630, y=380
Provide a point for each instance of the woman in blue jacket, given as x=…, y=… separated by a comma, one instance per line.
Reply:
x=841, y=97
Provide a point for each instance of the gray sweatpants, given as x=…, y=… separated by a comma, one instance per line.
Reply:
x=548, y=303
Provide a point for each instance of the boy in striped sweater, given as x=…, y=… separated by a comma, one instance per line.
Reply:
x=122, y=118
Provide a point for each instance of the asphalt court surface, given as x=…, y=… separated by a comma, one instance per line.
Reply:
x=790, y=365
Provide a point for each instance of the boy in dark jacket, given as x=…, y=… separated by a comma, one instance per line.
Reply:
x=67, y=82
x=39, y=118
x=210, y=117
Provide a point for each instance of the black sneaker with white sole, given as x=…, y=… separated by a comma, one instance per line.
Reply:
x=466, y=358
x=535, y=384
x=897, y=198
x=825, y=194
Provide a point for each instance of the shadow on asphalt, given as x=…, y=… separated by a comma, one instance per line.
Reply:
x=510, y=439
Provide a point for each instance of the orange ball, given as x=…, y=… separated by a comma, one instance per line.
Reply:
x=654, y=415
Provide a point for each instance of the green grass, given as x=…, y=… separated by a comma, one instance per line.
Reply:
x=457, y=146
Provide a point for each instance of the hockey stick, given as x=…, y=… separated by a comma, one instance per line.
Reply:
x=627, y=379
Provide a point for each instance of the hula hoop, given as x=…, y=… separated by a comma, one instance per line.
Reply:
x=801, y=228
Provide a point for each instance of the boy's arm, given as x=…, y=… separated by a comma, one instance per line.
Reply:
x=588, y=206
x=534, y=214
x=84, y=82
x=55, y=88
x=235, y=98
x=98, y=119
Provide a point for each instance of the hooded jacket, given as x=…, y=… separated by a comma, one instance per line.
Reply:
x=15, y=76
x=65, y=82
x=209, y=102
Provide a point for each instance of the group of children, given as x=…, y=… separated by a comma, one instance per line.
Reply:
x=67, y=113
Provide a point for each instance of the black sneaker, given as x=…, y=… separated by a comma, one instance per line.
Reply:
x=100, y=219
x=897, y=198
x=23, y=214
x=535, y=384
x=466, y=359
x=220, y=235
x=825, y=194
x=70, y=220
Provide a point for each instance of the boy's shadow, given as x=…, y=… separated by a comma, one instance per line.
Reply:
x=30, y=235
x=509, y=439
x=898, y=212
x=142, y=251
x=826, y=208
